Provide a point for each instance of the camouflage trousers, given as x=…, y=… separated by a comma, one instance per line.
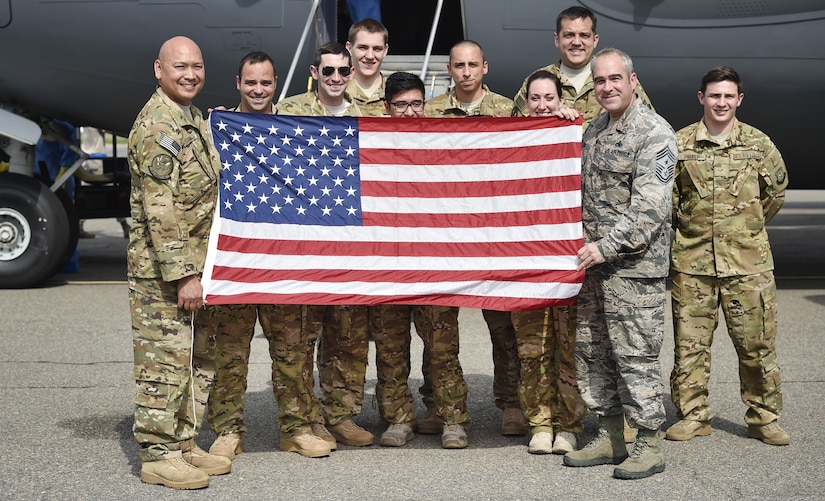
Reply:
x=342, y=361
x=390, y=325
x=444, y=385
x=546, y=378
x=749, y=305
x=506, y=365
x=291, y=332
x=174, y=367
x=619, y=334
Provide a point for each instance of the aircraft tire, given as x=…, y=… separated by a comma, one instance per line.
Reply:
x=34, y=231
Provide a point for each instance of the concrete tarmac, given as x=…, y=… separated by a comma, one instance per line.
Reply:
x=66, y=396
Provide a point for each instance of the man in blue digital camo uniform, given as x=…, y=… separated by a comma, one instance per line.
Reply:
x=628, y=159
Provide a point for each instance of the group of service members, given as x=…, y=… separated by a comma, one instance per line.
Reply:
x=717, y=183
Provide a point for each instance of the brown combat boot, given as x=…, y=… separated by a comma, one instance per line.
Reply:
x=686, y=429
x=207, y=463
x=173, y=472
x=228, y=446
x=629, y=433
x=350, y=433
x=513, y=422
x=454, y=436
x=431, y=423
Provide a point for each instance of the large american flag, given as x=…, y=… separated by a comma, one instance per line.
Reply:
x=472, y=212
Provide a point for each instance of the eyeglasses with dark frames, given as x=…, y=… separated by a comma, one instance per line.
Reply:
x=417, y=105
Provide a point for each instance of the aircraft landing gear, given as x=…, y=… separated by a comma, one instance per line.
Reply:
x=35, y=232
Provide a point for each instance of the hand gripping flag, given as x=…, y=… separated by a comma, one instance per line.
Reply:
x=472, y=212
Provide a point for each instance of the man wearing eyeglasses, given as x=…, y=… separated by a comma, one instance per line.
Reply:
x=344, y=343
x=390, y=323
x=471, y=97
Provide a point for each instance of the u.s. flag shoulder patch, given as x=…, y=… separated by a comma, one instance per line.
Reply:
x=665, y=165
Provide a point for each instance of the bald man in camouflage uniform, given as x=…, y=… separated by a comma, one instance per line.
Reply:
x=344, y=344
x=628, y=160
x=469, y=96
x=174, y=188
x=291, y=331
x=730, y=181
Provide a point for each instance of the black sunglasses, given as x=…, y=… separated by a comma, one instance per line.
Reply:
x=327, y=71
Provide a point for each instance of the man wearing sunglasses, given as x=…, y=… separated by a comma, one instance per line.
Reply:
x=344, y=344
x=332, y=69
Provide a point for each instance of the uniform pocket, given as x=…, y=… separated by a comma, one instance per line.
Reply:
x=153, y=395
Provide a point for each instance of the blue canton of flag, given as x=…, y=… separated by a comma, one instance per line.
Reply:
x=287, y=169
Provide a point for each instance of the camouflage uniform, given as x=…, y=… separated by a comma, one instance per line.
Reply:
x=343, y=348
x=584, y=102
x=545, y=342
x=723, y=196
x=444, y=385
x=174, y=188
x=291, y=331
x=505, y=356
x=437, y=326
x=448, y=105
x=627, y=180
x=370, y=106
x=308, y=105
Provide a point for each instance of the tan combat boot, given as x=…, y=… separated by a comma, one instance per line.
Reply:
x=173, y=472
x=607, y=448
x=431, y=423
x=302, y=441
x=647, y=458
x=771, y=434
x=686, y=429
x=454, y=436
x=513, y=422
x=350, y=433
x=207, y=463
x=323, y=433
x=228, y=446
